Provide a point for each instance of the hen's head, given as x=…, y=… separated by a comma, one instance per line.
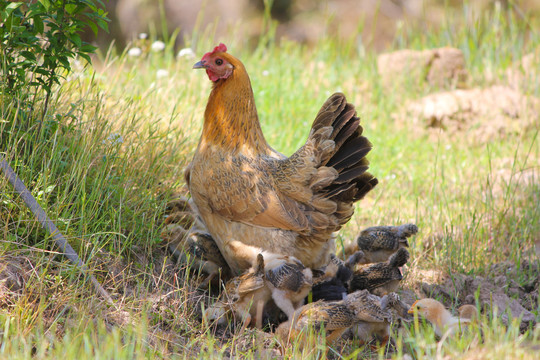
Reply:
x=218, y=63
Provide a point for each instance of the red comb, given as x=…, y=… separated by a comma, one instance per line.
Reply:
x=220, y=48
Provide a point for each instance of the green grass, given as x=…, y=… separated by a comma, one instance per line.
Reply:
x=112, y=153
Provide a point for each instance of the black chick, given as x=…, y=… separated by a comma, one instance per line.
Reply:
x=333, y=283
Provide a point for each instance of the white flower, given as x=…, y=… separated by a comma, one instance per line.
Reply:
x=161, y=73
x=187, y=53
x=135, y=52
x=265, y=73
x=158, y=46
x=114, y=139
x=143, y=36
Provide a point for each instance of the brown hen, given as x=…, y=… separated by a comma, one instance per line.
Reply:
x=253, y=199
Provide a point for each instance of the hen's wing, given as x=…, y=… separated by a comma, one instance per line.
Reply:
x=309, y=192
x=244, y=190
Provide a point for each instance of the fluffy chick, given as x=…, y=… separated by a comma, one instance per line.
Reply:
x=288, y=280
x=379, y=242
x=335, y=316
x=441, y=319
x=201, y=250
x=364, y=331
x=332, y=282
x=468, y=312
x=245, y=296
x=380, y=278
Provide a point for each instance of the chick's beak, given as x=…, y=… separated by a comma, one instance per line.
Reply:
x=200, y=65
x=411, y=310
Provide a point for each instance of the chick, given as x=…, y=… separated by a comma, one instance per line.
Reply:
x=181, y=212
x=201, y=250
x=245, y=296
x=441, y=319
x=468, y=312
x=335, y=316
x=332, y=282
x=380, y=278
x=364, y=331
x=379, y=242
x=288, y=280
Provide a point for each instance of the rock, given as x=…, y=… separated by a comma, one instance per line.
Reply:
x=482, y=113
x=438, y=67
x=524, y=72
x=447, y=67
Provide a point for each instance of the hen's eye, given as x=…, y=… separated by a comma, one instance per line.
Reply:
x=219, y=62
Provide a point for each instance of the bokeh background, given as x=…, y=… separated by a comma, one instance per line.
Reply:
x=304, y=21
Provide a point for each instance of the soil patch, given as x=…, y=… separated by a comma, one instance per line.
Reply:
x=483, y=114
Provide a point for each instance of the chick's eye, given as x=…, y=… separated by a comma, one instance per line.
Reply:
x=219, y=62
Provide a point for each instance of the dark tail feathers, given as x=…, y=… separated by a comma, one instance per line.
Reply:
x=349, y=155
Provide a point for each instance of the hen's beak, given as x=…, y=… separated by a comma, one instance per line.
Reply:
x=200, y=65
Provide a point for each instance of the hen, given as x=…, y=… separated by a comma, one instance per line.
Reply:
x=253, y=199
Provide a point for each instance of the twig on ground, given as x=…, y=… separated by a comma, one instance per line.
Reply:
x=47, y=223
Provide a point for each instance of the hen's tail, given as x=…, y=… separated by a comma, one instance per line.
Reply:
x=347, y=157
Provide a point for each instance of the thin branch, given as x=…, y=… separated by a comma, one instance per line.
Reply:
x=47, y=223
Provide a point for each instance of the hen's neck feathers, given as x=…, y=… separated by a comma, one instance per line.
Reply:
x=230, y=119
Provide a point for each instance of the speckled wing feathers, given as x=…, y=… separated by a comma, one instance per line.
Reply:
x=372, y=276
x=367, y=307
x=333, y=315
x=288, y=276
x=385, y=237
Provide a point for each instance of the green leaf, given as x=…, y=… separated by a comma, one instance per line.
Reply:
x=76, y=39
x=12, y=6
x=103, y=24
x=64, y=61
x=93, y=26
x=42, y=71
x=46, y=4
x=87, y=48
x=38, y=24
x=71, y=8
x=86, y=57
x=28, y=55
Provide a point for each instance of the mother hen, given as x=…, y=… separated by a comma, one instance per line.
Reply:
x=255, y=200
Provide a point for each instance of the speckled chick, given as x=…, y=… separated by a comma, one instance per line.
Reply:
x=288, y=280
x=335, y=316
x=201, y=250
x=379, y=242
x=245, y=296
x=380, y=278
x=442, y=320
x=364, y=331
